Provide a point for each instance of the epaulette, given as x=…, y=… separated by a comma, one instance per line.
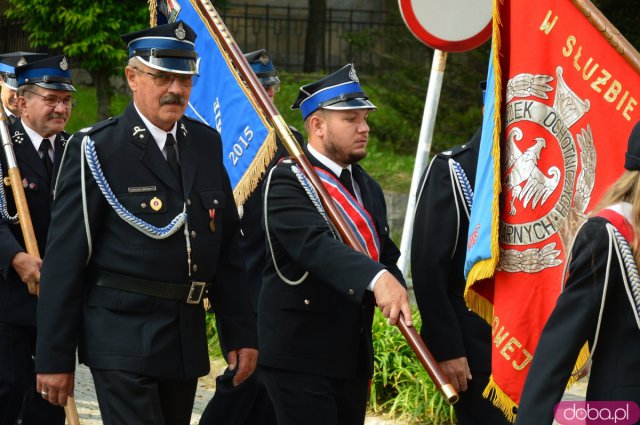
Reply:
x=96, y=127
x=454, y=151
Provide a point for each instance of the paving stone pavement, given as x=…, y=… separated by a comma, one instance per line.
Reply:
x=89, y=413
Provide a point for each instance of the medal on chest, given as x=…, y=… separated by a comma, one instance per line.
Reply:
x=212, y=223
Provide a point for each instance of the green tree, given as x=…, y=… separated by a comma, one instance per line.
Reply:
x=86, y=31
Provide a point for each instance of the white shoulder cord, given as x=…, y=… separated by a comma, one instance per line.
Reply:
x=266, y=231
x=460, y=185
x=85, y=209
x=455, y=184
x=628, y=264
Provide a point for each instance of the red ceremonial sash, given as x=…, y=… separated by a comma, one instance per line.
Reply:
x=620, y=222
x=358, y=218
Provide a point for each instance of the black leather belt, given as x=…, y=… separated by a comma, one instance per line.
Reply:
x=191, y=293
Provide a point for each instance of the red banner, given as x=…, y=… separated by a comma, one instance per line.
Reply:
x=569, y=102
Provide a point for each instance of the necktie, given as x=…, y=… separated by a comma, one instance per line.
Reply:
x=45, y=146
x=172, y=156
x=345, y=179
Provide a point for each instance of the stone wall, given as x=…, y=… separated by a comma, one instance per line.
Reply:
x=396, y=210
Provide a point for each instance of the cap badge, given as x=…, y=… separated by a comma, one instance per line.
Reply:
x=63, y=64
x=180, y=32
x=22, y=61
x=352, y=75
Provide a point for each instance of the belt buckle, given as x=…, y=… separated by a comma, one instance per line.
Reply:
x=195, y=292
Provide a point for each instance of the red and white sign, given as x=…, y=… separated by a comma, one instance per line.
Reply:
x=450, y=25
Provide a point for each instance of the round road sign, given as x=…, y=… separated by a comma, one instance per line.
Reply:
x=448, y=25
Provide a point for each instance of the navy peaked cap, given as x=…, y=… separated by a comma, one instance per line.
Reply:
x=53, y=72
x=338, y=91
x=9, y=61
x=263, y=67
x=169, y=47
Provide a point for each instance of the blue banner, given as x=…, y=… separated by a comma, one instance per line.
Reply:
x=482, y=248
x=221, y=100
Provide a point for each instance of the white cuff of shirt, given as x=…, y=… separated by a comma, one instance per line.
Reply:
x=373, y=282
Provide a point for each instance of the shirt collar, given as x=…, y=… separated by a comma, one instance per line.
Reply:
x=36, y=139
x=8, y=113
x=159, y=135
x=329, y=163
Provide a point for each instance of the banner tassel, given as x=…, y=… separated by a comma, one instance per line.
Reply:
x=500, y=399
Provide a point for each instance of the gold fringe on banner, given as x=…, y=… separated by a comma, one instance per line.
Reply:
x=495, y=152
x=583, y=357
x=254, y=173
x=480, y=305
x=500, y=399
x=153, y=13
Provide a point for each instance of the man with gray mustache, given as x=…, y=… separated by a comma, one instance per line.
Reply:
x=144, y=228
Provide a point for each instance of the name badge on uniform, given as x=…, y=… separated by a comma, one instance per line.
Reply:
x=212, y=224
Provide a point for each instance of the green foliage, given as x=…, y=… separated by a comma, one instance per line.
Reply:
x=212, y=337
x=400, y=386
x=85, y=30
x=86, y=111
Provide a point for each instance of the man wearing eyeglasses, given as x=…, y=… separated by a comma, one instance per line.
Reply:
x=44, y=99
x=144, y=228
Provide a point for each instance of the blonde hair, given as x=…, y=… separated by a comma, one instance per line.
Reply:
x=626, y=189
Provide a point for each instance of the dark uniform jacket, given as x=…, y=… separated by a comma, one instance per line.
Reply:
x=615, y=366
x=17, y=306
x=438, y=252
x=118, y=329
x=321, y=326
x=253, y=242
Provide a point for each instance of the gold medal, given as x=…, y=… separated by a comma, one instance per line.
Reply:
x=7, y=181
x=155, y=203
x=212, y=226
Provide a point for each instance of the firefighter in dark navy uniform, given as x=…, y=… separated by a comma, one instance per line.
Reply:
x=144, y=226
x=459, y=339
x=318, y=295
x=44, y=97
x=249, y=403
